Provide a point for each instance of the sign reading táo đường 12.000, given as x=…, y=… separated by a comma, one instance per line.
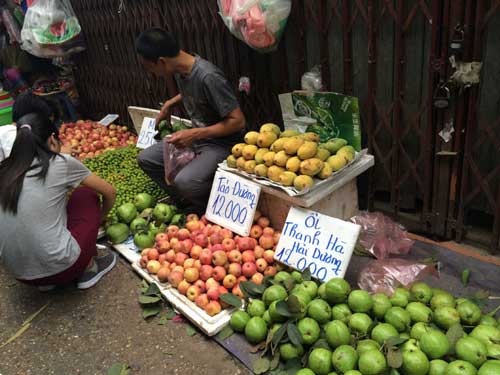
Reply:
x=318, y=242
x=233, y=202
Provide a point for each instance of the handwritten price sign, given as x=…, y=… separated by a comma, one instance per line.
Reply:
x=233, y=201
x=146, y=136
x=320, y=242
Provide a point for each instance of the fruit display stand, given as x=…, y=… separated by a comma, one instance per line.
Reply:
x=210, y=325
x=337, y=197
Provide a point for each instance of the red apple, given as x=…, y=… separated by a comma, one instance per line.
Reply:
x=170, y=256
x=188, y=263
x=163, y=274
x=228, y=244
x=195, y=251
x=215, y=238
x=193, y=292
x=226, y=233
x=258, y=252
x=162, y=258
x=242, y=278
x=193, y=226
x=267, y=242
x=197, y=264
x=180, y=258
x=255, y=231
x=270, y=271
x=175, y=278
x=257, y=278
x=263, y=221
x=261, y=265
x=153, y=254
x=192, y=217
x=213, y=308
x=213, y=293
x=172, y=231
x=219, y=258
x=183, y=287
x=235, y=269
x=163, y=245
x=206, y=272
x=202, y=300
x=201, y=240
x=206, y=256
x=269, y=256
x=276, y=237
x=234, y=256
x=183, y=234
x=218, y=273
x=211, y=283
x=248, y=256
x=248, y=269
x=191, y=274
x=201, y=285
x=237, y=291
x=229, y=281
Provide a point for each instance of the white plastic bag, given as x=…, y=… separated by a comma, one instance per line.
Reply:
x=259, y=23
x=51, y=29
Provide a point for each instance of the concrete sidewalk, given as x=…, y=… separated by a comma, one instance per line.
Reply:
x=85, y=332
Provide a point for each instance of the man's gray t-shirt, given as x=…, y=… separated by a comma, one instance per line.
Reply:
x=36, y=243
x=208, y=98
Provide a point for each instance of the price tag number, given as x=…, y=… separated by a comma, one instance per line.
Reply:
x=228, y=209
x=318, y=272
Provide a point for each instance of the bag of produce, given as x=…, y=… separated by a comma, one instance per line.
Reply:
x=259, y=23
x=51, y=29
x=175, y=159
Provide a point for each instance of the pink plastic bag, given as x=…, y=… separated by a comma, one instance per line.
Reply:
x=384, y=276
x=175, y=159
x=380, y=236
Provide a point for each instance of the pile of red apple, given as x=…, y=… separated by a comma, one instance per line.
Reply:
x=88, y=138
x=204, y=261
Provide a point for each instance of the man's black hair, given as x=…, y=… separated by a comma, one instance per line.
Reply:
x=155, y=43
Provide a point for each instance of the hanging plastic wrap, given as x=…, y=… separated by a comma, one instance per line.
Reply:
x=11, y=26
x=175, y=159
x=259, y=23
x=51, y=29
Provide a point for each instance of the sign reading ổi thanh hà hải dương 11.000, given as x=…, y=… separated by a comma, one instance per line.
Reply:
x=318, y=242
x=233, y=202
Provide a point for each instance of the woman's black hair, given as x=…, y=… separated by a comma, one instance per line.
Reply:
x=27, y=102
x=155, y=43
x=33, y=131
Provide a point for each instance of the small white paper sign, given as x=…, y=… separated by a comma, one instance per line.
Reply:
x=108, y=119
x=146, y=136
x=233, y=201
x=320, y=242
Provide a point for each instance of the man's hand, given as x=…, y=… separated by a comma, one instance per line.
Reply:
x=183, y=138
x=165, y=114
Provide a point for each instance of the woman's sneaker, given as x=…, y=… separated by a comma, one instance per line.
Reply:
x=105, y=263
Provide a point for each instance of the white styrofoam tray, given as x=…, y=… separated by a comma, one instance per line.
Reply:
x=290, y=190
x=210, y=325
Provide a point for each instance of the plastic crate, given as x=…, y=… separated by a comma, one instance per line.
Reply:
x=6, y=116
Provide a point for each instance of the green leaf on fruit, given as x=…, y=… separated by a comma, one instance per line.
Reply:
x=293, y=304
x=275, y=361
x=394, y=358
x=152, y=290
x=454, y=333
x=170, y=314
x=226, y=332
x=289, y=284
x=267, y=281
x=147, y=300
x=190, y=330
x=321, y=343
x=231, y=299
x=261, y=365
x=149, y=311
x=119, y=369
x=395, y=341
x=306, y=274
x=144, y=286
x=278, y=335
x=293, y=365
x=283, y=309
x=251, y=290
x=465, y=276
x=294, y=334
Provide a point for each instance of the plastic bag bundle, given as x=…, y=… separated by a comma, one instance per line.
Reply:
x=380, y=236
x=259, y=23
x=175, y=159
x=51, y=29
x=384, y=276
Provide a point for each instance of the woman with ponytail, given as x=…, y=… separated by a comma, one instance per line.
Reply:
x=46, y=239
